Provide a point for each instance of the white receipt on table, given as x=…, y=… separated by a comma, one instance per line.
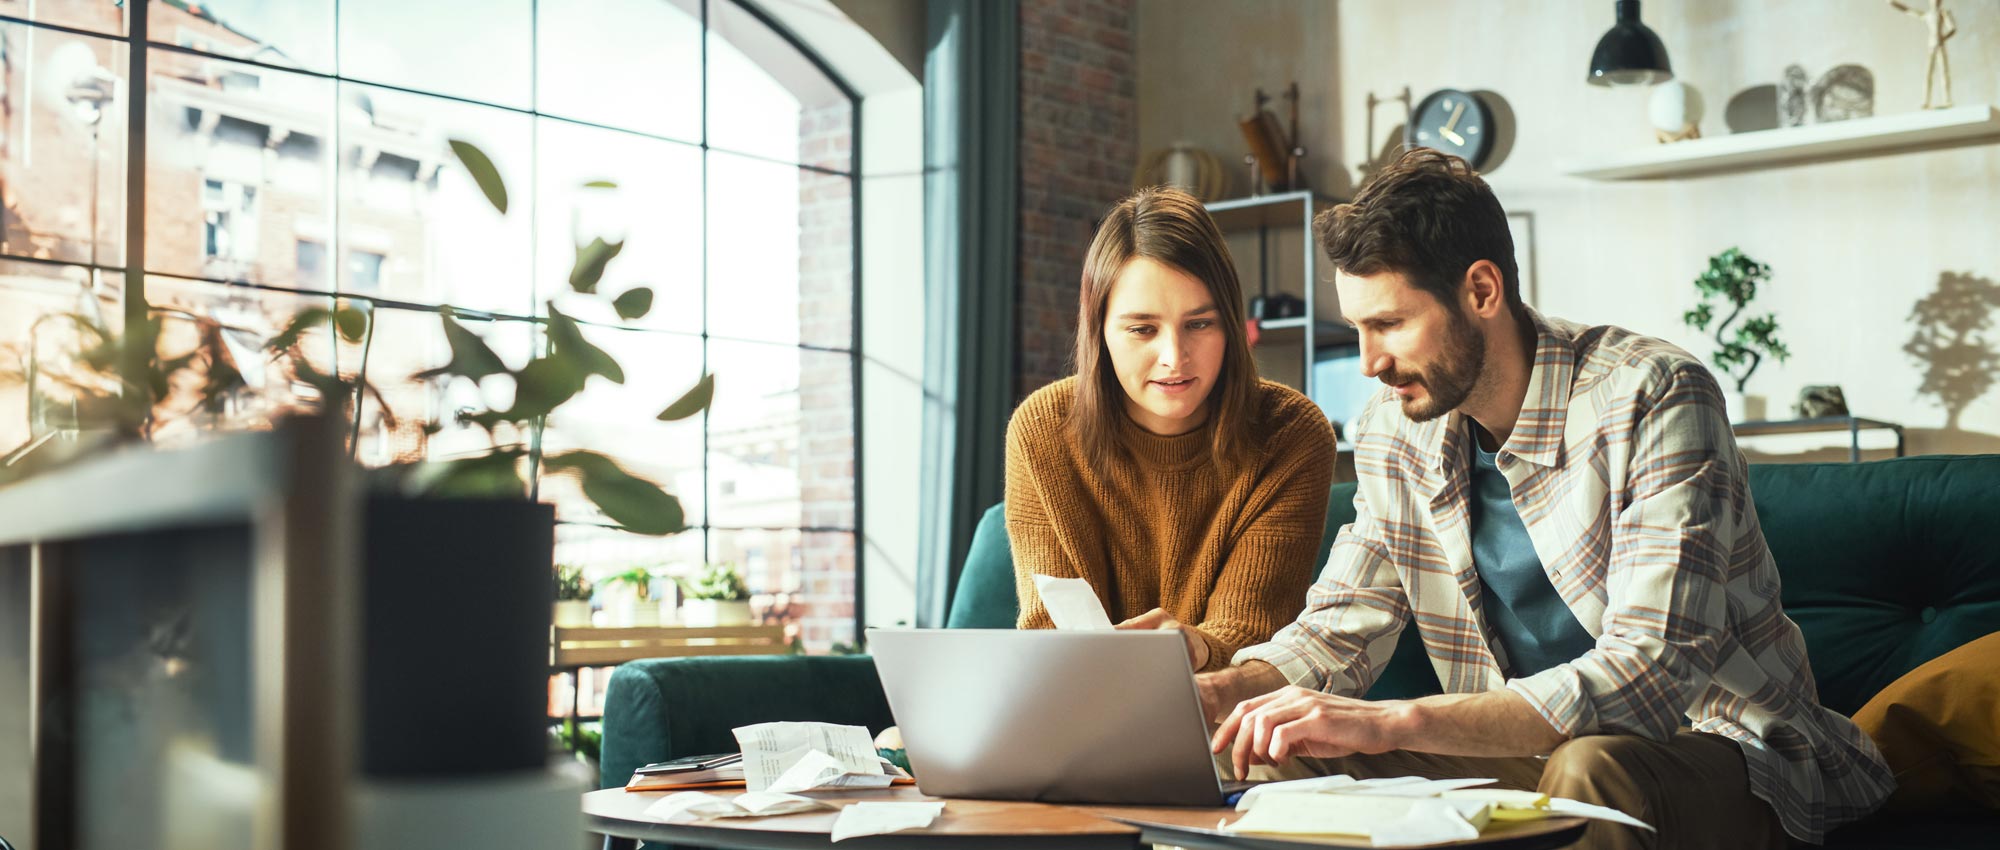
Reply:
x=791, y=757
x=866, y=818
x=696, y=805
x=1071, y=603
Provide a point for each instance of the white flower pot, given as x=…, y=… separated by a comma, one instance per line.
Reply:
x=1743, y=408
x=572, y=613
x=637, y=613
x=711, y=612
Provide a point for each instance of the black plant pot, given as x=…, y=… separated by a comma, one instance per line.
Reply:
x=455, y=645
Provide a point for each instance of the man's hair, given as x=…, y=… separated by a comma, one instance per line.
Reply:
x=1427, y=216
x=1170, y=227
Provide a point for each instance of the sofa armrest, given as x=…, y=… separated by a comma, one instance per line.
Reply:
x=663, y=708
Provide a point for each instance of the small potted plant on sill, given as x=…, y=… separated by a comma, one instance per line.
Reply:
x=572, y=597
x=637, y=609
x=717, y=597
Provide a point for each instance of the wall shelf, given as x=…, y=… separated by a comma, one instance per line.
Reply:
x=1837, y=140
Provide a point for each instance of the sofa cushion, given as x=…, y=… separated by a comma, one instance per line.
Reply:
x=1886, y=565
x=1939, y=730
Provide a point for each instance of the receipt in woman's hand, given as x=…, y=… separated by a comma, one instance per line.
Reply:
x=1071, y=603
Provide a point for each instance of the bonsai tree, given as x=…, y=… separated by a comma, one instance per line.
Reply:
x=1731, y=281
x=718, y=582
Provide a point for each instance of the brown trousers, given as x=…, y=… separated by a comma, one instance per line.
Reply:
x=1694, y=788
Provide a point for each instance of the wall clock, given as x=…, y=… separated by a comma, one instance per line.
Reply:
x=1456, y=123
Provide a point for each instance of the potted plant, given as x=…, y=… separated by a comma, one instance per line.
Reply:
x=1731, y=280
x=572, y=597
x=637, y=608
x=716, y=597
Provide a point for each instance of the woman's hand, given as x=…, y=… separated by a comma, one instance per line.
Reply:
x=1158, y=618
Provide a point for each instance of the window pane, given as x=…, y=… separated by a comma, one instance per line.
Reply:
x=780, y=261
x=765, y=98
x=62, y=146
x=293, y=33
x=778, y=456
x=33, y=298
x=404, y=342
x=621, y=421
x=105, y=16
x=803, y=580
x=633, y=64
x=655, y=210
x=476, y=49
x=231, y=324
x=239, y=172
x=413, y=225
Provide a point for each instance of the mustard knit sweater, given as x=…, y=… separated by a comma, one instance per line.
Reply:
x=1230, y=556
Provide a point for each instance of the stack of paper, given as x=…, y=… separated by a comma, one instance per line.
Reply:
x=792, y=757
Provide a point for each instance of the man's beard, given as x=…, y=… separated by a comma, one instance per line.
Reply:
x=1452, y=378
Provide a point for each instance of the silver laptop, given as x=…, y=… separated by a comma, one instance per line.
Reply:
x=1109, y=717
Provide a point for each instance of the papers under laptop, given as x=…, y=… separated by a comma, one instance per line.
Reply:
x=1080, y=716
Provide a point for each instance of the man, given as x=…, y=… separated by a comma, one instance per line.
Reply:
x=1562, y=512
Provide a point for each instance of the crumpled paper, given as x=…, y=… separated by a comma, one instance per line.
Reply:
x=869, y=818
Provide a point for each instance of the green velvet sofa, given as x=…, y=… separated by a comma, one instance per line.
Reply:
x=1886, y=565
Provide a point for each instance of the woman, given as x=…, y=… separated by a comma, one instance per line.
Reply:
x=1189, y=493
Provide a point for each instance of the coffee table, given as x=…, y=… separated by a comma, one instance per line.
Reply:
x=995, y=824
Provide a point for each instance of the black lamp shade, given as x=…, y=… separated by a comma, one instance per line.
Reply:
x=1630, y=54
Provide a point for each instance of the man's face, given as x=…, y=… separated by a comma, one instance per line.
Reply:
x=1166, y=342
x=1430, y=353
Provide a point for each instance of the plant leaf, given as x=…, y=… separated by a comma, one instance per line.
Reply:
x=600, y=184
x=640, y=506
x=489, y=476
x=566, y=341
x=469, y=354
x=590, y=262
x=352, y=322
x=693, y=402
x=541, y=386
x=634, y=303
x=301, y=322
x=482, y=171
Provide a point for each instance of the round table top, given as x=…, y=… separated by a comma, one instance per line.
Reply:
x=997, y=823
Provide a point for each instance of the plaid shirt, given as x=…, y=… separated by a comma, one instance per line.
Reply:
x=1625, y=472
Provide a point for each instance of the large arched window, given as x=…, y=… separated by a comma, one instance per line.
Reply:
x=296, y=154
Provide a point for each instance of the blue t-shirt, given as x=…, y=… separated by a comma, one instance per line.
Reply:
x=1522, y=608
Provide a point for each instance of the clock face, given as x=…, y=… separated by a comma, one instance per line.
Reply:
x=1454, y=122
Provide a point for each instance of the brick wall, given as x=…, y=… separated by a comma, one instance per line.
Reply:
x=1079, y=142
x=824, y=607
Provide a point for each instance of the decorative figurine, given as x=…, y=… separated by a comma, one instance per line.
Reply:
x=1846, y=91
x=1792, y=90
x=1941, y=26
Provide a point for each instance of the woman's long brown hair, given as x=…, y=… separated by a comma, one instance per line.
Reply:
x=1167, y=226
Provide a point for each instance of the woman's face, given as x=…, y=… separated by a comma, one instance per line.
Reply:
x=1166, y=342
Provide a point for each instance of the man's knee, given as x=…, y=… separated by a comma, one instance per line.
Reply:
x=1592, y=768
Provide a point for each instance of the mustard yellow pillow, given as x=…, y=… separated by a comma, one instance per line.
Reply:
x=1939, y=728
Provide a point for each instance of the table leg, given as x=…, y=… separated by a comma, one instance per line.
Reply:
x=613, y=842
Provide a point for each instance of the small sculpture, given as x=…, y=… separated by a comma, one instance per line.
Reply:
x=1941, y=26
x=1846, y=91
x=1820, y=401
x=1792, y=90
